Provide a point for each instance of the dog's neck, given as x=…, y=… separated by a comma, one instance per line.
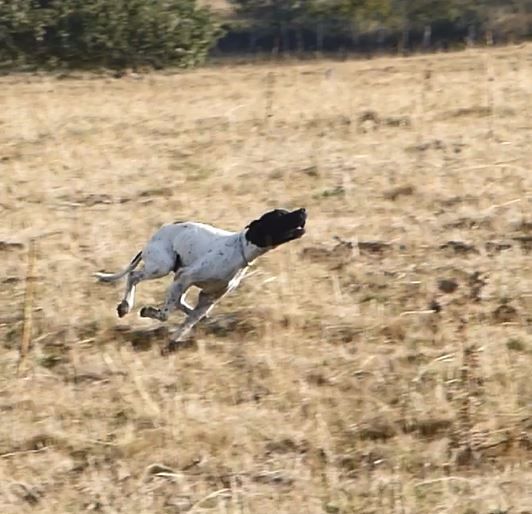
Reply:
x=248, y=250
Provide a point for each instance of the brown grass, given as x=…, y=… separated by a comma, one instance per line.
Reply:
x=218, y=6
x=381, y=364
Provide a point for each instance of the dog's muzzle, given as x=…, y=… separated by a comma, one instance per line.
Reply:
x=298, y=220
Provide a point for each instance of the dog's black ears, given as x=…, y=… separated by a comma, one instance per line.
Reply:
x=252, y=224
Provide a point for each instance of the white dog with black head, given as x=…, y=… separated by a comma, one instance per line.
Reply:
x=212, y=259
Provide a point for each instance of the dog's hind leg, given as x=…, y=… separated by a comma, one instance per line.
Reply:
x=134, y=278
x=157, y=264
x=128, y=301
x=174, y=300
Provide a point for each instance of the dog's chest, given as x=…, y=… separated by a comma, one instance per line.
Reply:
x=218, y=276
x=217, y=286
x=223, y=266
x=213, y=256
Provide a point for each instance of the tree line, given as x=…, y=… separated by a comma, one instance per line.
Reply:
x=120, y=33
x=322, y=25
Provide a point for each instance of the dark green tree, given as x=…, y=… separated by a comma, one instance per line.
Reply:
x=108, y=32
x=421, y=15
x=279, y=16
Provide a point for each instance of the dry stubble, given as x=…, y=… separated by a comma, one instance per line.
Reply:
x=382, y=371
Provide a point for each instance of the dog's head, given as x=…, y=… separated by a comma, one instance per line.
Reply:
x=276, y=227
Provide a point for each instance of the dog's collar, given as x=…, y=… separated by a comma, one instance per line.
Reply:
x=242, y=248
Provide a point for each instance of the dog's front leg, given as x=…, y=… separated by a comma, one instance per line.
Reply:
x=205, y=304
x=183, y=306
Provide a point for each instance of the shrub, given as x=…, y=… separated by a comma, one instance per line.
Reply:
x=114, y=33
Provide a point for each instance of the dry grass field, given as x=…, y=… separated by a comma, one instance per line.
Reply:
x=381, y=364
x=218, y=6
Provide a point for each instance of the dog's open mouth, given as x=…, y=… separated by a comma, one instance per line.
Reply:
x=298, y=230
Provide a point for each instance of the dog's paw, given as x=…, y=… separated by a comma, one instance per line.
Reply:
x=147, y=312
x=122, y=309
x=152, y=312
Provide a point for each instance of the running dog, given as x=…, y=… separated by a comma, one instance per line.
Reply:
x=212, y=259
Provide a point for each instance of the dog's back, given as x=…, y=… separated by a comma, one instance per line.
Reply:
x=189, y=240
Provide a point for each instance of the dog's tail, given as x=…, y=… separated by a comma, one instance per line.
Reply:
x=111, y=277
